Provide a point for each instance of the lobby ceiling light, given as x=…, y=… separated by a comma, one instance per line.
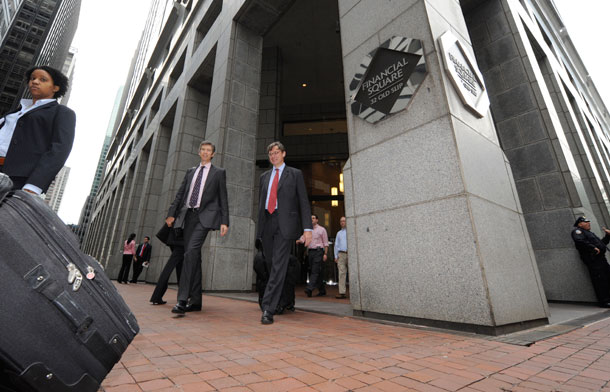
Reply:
x=334, y=192
x=303, y=84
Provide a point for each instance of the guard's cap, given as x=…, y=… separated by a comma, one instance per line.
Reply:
x=581, y=219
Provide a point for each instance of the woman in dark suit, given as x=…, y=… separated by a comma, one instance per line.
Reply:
x=35, y=141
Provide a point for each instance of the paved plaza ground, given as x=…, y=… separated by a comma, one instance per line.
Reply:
x=226, y=348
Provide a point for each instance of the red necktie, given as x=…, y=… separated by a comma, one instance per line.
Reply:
x=273, y=193
x=142, y=250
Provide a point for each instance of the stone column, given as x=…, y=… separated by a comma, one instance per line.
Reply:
x=435, y=231
x=232, y=124
x=552, y=169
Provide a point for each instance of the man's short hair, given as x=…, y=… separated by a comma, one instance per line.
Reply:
x=279, y=145
x=208, y=143
x=147, y=237
x=315, y=216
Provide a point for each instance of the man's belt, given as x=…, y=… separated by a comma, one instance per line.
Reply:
x=312, y=249
x=1, y=161
x=343, y=251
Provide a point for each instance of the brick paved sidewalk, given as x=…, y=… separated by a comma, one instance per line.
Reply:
x=226, y=348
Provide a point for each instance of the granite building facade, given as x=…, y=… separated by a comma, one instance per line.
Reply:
x=465, y=213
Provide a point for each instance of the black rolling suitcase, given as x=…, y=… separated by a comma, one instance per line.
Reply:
x=63, y=325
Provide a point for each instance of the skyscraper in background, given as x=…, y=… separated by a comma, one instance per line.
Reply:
x=68, y=70
x=83, y=221
x=56, y=190
x=32, y=32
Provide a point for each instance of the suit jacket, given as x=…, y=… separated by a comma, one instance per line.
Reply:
x=293, y=208
x=41, y=144
x=146, y=255
x=214, y=205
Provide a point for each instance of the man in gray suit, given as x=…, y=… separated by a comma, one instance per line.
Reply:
x=284, y=215
x=203, y=194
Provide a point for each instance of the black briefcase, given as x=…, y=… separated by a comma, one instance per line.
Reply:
x=63, y=325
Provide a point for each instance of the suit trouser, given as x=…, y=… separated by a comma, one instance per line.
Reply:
x=137, y=270
x=342, y=267
x=174, y=261
x=315, y=257
x=190, y=285
x=124, y=272
x=277, y=253
x=599, y=270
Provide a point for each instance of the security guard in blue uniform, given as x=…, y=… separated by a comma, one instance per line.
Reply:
x=592, y=252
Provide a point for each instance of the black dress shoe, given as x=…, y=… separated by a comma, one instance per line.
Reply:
x=193, y=308
x=179, y=308
x=159, y=302
x=267, y=318
x=340, y=296
x=604, y=305
x=308, y=292
x=320, y=294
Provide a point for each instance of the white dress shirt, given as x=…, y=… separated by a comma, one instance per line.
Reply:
x=204, y=177
x=280, y=171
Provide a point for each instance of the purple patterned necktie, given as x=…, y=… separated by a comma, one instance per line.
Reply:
x=195, y=195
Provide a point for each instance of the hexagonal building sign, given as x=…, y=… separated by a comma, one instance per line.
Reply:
x=387, y=79
x=464, y=74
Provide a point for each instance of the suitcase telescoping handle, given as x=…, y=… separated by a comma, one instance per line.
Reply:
x=40, y=280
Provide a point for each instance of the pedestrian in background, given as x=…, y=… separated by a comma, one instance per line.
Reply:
x=592, y=251
x=168, y=236
x=340, y=251
x=129, y=250
x=141, y=258
x=35, y=141
x=317, y=253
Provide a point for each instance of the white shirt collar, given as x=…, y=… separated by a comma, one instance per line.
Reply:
x=26, y=103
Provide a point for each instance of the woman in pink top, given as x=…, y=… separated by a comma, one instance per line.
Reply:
x=129, y=250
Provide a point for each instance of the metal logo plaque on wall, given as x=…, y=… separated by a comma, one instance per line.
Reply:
x=387, y=79
x=464, y=74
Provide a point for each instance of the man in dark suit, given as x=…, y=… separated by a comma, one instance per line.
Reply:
x=141, y=259
x=284, y=215
x=35, y=141
x=203, y=194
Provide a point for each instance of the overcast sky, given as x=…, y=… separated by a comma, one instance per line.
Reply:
x=107, y=35
x=588, y=26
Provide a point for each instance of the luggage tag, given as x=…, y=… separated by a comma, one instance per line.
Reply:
x=90, y=273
